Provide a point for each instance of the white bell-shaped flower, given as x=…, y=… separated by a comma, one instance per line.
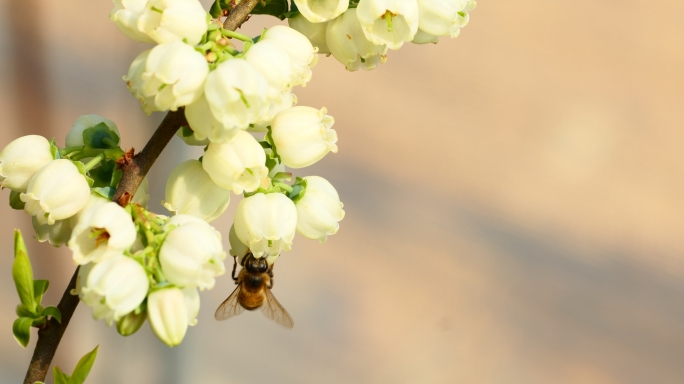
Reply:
x=237, y=164
x=56, y=234
x=114, y=287
x=94, y=200
x=319, y=211
x=317, y=11
x=170, y=311
x=190, y=190
x=349, y=44
x=442, y=18
x=389, y=22
x=266, y=223
x=74, y=137
x=423, y=37
x=102, y=232
x=192, y=254
x=134, y=82
x=287, y=100
x=274, y=64
x=239, y=250
x=166, y=21
x=303, y=135
x=56, y=192
x=21, y=159
x=298, y=47
x=237, y=95
x=174, y=75
x=315, y=32
x=126, y=14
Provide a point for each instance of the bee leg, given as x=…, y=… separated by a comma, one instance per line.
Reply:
x=234, y=267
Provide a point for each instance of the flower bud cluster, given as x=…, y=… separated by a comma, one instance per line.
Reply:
x=359, y=33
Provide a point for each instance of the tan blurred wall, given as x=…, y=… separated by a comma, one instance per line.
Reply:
x=513, y=197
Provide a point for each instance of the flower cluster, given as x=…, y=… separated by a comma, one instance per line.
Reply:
x=358, y=33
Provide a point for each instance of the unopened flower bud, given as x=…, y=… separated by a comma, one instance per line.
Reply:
x=303, y=135
x=56, y=234
x=170, y=310
x=134, y=82
x=126, y=14
x=131, y=323
x=266, y=223
x=74, y=137
x=190, y=190
x=287, y=100
x=298, y=47
x=56, y=192
x=275, y=66
x=442, y=18
x=21, y=159
x=317, y=11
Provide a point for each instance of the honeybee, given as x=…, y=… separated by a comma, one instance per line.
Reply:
x=254, y=283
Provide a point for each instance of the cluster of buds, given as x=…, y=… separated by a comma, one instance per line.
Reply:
x=358, y=33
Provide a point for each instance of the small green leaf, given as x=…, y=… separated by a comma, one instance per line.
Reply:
x=83, y=367
x=58, y=376
x=22, y=273
x=52, y=311
x=106, y=192
x=15, y=200
x=21, y=329
x=39, y=289
x=277, y=8
x=298, y=190
x=294, y=11
x=186, y=131
x=100, y=137
x=215, y=11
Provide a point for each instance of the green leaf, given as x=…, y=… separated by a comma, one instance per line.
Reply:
x=83, y=367
x=100, y=137
x=22, y=273
x=52, y=311
x=215, y=11
x=21, y=329
x=106, y=192
x=15, y=201
x=39, y=289
x=58, y=376
x=277, y=8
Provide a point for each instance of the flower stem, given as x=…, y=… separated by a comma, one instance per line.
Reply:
x=66, y=151
x=236, y=35
x=95, y=161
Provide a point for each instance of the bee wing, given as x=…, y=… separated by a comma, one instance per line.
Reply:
x=230, y=307
x=274, y=311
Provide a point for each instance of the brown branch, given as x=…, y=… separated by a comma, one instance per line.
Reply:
x=133, y=174
x=239, y=14
x=50, y=335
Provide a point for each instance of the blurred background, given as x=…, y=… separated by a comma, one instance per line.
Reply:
x=514, y=204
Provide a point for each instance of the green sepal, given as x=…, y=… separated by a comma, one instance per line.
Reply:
x=354, y=3
x=114, y=153
x=265, y=144
x=102, y=175
x=100, y=137
x=58, y=376
x=271, y=163
x=186, y=131
x=23, y=274
x=225, y=4
x=21, y=329
x=39, y=289
x=81, y=169
x=15, y=200
x=52, y=312
x=277, y=8
x=106, y=192
x=282, y=176
x=215, y=11
x=83, y=367
x=298, y=190
x=54, y=150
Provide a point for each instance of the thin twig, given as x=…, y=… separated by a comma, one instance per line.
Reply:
x=133, y=174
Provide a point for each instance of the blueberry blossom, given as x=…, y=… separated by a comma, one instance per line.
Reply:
x=349, y=45
x=266, y=223
x=190, y=190
x=170, y=311
x=319, y=211
x=237, y=164
x=303, y=135
x=389, y=22
x=21, y=159
x=317, y=11
x=166, y=21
